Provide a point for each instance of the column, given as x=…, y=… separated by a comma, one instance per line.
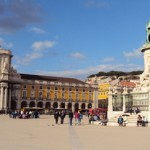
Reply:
x=2, y=96
x=125, y=93
x=149, y=106
x=95, y=98
x=9, y=101
x=110, y=106
x=5, y=98
x=18, y=98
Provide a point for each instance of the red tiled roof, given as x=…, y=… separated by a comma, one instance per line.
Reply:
x=127, y=84
x=51, y=78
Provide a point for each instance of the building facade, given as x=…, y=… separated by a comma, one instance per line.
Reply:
x=48, y=92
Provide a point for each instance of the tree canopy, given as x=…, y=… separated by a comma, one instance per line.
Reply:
x=115, y=73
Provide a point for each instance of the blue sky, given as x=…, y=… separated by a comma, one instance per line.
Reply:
x=74, y=38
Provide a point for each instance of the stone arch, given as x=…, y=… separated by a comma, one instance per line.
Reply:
x=23, y=104
x=89, y=105
x=62, y=105
x=13, y=105
x=47, y=105
x=69, y=106
x=32, y=104
x=40, y=104
x=55, y=105
x=83, y=106
x=76, y=107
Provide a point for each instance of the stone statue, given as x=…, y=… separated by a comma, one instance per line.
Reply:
x=148, y=32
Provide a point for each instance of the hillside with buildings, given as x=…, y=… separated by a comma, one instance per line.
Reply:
x=106, y=80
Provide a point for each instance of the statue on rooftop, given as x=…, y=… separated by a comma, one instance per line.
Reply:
x=148, y=32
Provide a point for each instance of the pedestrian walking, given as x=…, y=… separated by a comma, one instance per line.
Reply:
x=56, y=116
x=70, y=117
x=62, y=116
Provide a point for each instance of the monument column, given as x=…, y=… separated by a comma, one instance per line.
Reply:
x=110, y=106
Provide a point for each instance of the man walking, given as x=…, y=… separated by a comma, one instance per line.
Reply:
x=70, y=117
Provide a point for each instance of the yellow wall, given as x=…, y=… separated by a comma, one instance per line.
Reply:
x=59, y=92
x=103, y=91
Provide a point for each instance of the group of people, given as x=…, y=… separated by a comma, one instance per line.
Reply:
x=23, y=114
x=77, y=115
x=61, y=115
x=142, y=121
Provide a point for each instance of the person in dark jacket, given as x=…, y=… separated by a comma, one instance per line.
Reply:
x=56, y=116
x=62, y=116
x=70, y=117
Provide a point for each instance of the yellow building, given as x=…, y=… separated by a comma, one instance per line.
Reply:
x=103, y=94
x=55, y=92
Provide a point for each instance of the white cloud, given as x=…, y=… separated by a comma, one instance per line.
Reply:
x=40, y=45
x=132, y=55
x=85, y=72
x=108, y=59
x=5, y=44
x=37, y=30
x=77, y=55
x=37, y=52
x=28, y=58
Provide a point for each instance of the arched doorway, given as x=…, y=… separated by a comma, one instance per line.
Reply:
x=69, y=106
x=83, y=106
x=89, y=105
x=62, y=105
x=40, y=104
x=32, y=104
x=76, y=107
x=47, y=105
x=13, y=105
x=55, y=105
x=23, y=104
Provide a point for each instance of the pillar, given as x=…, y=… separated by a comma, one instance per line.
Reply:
x=5, y=98
x=110, y=106
x=125, y=93
x=2, y=97
x=95, y=94
x=9, y=101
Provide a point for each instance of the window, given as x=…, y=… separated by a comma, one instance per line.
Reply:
x=56, y=89
x=40, y=94
x=41, y=87
x=77, y=96
x=70, y=95
x=90, y=96
x=24, y=94
x=48, y=95
x=32, y=93
x=32, y=87
x=55, y=96
x=63, y=95
x=70, y=89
